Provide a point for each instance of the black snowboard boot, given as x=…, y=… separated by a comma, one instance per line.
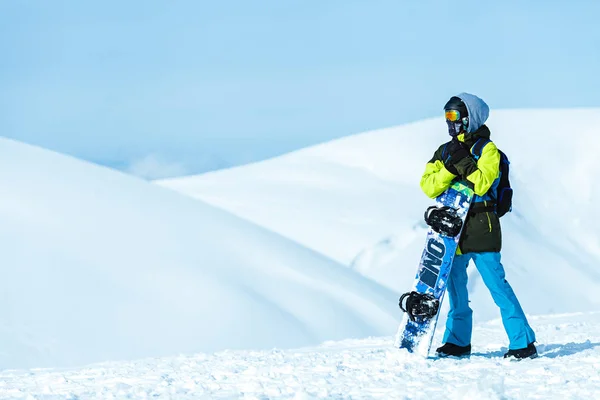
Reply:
x=453, y=350
x=528, y=352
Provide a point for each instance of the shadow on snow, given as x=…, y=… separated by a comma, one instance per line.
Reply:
x=548, y=350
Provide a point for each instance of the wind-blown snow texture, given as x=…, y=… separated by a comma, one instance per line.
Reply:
x=568, y=368
x=98, y=265
x=358, y=201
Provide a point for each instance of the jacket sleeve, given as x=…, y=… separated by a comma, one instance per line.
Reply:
x=436, y=178
x=483, y=172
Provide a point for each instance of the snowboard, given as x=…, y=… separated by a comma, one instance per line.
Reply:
x=446, y=220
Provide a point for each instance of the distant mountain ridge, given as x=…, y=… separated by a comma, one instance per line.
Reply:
x=98, y=265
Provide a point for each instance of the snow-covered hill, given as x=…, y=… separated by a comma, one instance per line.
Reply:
x=357, y=200
x=98, y=265
x=568, y=368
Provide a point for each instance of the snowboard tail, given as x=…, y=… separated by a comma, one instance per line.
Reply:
x=446, y=220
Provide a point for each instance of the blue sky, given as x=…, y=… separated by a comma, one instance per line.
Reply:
x=178, y=87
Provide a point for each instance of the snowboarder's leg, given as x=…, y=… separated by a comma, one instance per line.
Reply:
x=515, y=323
x=459, y=324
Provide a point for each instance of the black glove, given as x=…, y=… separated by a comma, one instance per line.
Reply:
x=451, y=168
x=456, y=152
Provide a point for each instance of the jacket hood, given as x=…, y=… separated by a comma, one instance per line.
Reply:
x=478, y=111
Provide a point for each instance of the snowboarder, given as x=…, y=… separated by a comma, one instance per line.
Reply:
x=481, y=238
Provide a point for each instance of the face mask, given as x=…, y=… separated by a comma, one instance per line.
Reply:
x=454, y=128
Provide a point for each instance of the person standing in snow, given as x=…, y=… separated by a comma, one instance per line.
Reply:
x=481, y=239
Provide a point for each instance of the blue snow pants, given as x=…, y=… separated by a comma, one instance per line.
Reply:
x=459, y=324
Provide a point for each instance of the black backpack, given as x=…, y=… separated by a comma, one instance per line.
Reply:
x=504, y=191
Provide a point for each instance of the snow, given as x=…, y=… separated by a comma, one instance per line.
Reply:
x=358, y=201
x=99, y=266
x=568, y=368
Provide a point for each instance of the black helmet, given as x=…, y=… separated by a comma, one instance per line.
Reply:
x=455, y=103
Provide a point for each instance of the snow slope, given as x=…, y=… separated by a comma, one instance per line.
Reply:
x=98, y=265
x=568, y=368
x=358, y=201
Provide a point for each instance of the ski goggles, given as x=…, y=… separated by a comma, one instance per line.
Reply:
x=453, y=115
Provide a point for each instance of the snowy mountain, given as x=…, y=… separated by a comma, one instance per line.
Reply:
x=358, y=201
x=98, y=265
x=568, y=368
x=226, y=294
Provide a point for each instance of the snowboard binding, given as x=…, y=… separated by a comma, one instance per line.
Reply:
x=421, y=306
x=443, y=220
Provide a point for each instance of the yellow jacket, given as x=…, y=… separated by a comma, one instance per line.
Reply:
x=482, y=231
x=481, y=173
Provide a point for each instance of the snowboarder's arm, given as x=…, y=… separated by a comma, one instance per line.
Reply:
x=483, y=172
x=436, y=178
